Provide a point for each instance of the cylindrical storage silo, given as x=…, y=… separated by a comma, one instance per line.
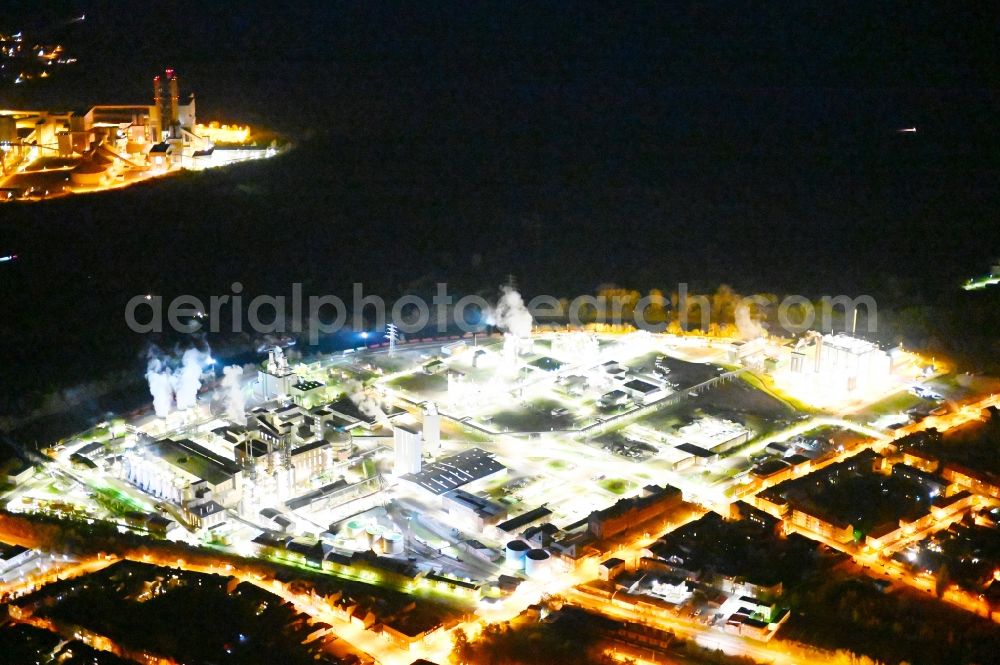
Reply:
x=339, y=441
x=354, y=528
x=515, y=552
x=392, y=542
x=374, y=535
x=536, y=563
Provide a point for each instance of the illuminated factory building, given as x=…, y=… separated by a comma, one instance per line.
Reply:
x=109, y=143
x=849, y=362
x=365, y=464
x=277, y=378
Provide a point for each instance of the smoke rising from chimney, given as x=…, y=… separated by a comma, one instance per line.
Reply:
x=367, y=402
x=510, y=314
x=232, y=385
x=747, y=327
x=175, y=388
x=158, y=377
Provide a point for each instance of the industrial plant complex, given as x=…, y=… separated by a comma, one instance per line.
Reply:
x=49, y=153
x=661, y=475
x=552, y=334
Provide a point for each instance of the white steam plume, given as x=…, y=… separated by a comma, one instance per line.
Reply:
x=510, y=314
x=232, y=384
x=367, y=402
x=187, y=378
x=160, y=387
x=747, y=327
x=175, y=388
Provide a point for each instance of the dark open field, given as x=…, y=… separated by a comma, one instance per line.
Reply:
x=464, y=146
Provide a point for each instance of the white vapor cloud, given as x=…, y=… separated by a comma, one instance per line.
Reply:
x=178, y=387
x=158, y=377
x=510, y=314
x=367, y=402
x=747, y=327
x=232, y=385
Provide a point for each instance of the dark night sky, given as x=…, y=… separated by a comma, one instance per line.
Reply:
x=767, y=78
x=570, y=144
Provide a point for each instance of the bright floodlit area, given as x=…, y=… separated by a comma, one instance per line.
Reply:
x=486, y=470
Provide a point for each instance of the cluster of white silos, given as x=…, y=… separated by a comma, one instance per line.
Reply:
x=150, y=477
x=373, y=535
x=515, y=552
x=365, y=535
x=537, y=563
x=519, y=555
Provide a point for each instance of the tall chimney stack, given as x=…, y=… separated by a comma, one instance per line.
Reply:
x=157, y=91
x=157, y=121
x=174, y=98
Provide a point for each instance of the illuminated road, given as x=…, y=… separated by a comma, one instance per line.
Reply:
x=964, y=413
x=364, y=641
x=771, y=652
x=60, y=570
x=436, y=648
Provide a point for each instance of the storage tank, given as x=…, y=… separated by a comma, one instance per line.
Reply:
x=340, y=441
x=88, y=174
x=354, y=528
x=374, y=535
x=536, y=563
x=392, y=542
x=515, y=552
